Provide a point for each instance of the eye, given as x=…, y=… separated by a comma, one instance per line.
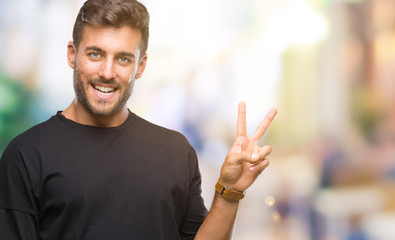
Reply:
x=94, y=54
x=124, y=60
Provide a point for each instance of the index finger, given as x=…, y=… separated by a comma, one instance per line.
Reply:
x=261, y=129
x=241, y=120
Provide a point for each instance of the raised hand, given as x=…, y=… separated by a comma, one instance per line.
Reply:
x=246, y=160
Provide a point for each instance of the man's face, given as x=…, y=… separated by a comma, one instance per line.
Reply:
x=106, y=65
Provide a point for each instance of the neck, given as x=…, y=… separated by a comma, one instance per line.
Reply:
x=78, y=113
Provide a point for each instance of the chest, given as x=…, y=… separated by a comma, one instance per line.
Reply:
x=112, y=178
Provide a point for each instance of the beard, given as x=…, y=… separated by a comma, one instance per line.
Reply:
x=96, y=109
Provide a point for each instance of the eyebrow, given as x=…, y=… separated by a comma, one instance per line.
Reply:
x=122, y=53
x=93, y=48
x=126, y=54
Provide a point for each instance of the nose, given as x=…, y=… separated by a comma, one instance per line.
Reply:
x=107, y=70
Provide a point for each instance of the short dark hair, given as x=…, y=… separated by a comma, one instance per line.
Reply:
x=115, y=13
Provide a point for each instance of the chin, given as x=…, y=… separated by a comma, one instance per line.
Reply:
x=105, y=112
x=102, y=107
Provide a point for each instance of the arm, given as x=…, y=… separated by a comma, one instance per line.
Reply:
x=243, y=164
x=17, y=215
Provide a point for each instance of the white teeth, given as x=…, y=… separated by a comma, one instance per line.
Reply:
x=104, y=89
x=104, y=93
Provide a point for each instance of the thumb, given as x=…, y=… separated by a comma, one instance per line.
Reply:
x=240, y=158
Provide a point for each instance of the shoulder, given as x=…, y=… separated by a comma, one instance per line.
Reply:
x=158, y=134
x=31, y=138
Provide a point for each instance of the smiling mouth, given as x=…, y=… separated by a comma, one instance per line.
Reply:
x=104, y=91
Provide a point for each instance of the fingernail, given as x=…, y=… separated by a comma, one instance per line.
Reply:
x=255, y=156
x=252, y=168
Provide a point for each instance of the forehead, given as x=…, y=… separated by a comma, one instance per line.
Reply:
x=122, y=38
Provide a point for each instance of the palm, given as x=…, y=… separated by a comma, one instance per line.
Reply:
x=240, y=170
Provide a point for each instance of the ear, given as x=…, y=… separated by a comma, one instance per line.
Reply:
x=140, y=69
x=71, y=54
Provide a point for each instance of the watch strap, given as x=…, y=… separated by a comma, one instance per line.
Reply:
x=228, y=193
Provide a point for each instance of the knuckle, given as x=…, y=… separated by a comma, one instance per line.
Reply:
x=268, y=149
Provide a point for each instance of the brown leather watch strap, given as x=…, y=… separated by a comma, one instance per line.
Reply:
x=228, y=193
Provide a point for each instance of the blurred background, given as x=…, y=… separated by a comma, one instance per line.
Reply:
x=327, y=65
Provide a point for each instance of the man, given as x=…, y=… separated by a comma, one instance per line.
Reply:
x=98, y=171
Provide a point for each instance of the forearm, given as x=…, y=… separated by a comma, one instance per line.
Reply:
x=219, y=222
x=243, y=164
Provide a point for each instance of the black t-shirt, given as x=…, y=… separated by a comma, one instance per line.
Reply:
x=63, y=180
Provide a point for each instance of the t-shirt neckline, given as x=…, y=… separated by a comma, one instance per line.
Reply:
x=129, y=120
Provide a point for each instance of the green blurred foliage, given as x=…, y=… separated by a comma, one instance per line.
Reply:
x=15, y=109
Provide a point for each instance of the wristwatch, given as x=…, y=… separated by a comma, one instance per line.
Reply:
x=228, y=193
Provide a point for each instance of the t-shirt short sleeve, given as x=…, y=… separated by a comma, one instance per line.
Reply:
x=195, y=211
x=18, y=218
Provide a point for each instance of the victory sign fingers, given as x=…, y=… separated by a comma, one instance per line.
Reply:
x=246, y=160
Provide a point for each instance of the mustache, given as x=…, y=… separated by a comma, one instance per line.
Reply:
x=103, y=81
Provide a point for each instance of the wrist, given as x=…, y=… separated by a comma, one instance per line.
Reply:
x=228, y=193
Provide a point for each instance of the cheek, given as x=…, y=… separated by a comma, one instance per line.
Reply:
x=126, y=75
x=88, y=69
x=131, y=79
